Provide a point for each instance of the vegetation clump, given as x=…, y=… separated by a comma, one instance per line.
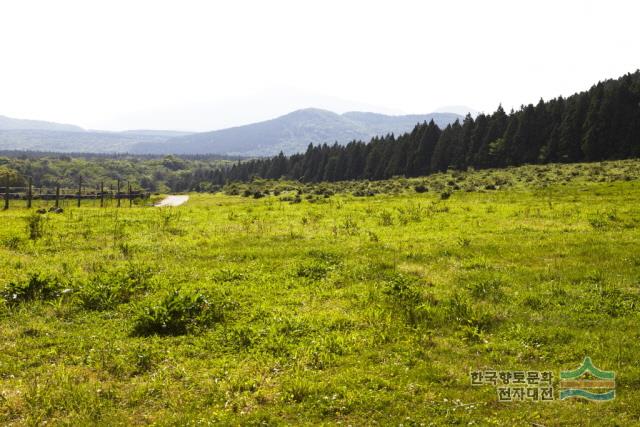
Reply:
x=180, y=312
x=108, y=289
x=39, y=286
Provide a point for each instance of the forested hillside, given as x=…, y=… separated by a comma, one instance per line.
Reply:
x=602, y=123
x=161, y=174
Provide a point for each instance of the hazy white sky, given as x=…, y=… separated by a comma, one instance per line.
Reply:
x=201, y=65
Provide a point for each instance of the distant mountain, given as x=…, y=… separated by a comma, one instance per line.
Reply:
x=35, y=135
x=463, y=110
x=8, y=123
x=78, y=142
x=292, y=133
x=161, y=133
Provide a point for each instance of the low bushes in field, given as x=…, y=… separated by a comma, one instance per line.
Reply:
x=229, y=275
x=320, y=264
x=473, y=320
x=405, y=296
x=108, y=289
x=314, y=270
x=179, y=313
x=39, y=286
x=490, y=289
x=36, y=226
x=385, y=218
x=12, y=242
x=410, y=213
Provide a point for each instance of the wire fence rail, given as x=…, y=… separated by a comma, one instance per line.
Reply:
x=63, y=196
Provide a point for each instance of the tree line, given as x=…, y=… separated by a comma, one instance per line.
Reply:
x=602, y=123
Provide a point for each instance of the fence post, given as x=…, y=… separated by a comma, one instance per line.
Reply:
x=102, y=194
x=130, y=199
x=30, y=193
x=118, y=193
x=6, y=194
x=57, y=195
x=79, y=190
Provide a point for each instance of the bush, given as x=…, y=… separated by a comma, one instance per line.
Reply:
x=386, y=218
x=487, y=289
x=407, y=299
x=420, y=189
x=39, y=286
x=36, y=226
x=179, y=313
x=313, y=270
x=109, y=289
x=12, y=242
x=459, y=309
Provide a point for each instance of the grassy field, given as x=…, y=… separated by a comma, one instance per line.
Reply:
x=350, y=303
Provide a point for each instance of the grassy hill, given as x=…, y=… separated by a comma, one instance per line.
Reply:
x=352, y=303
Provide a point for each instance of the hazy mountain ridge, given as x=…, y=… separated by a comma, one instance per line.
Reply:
x=72, y=141
x=38, y=135
x=292, y=133
x=9, y=123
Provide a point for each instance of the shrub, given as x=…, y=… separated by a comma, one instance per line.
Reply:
x=403, y=294
x=36, y=224
x=227, y=275
x=386, y=218
x=326, y=257
x=487, y=289
x=12, y=242
x=459, y=309
x=179, y=313
x=39, y=286
x=314, y=270
x=534, y=302
x=410, y=213
x=420, y=189
x=109, y=289
x=350, y=226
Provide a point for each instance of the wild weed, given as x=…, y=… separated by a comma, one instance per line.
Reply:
x=385, y=218
x=36, y=226
x=179, y=313
x=487, y=289
x=314, y=270
x=12, y=242
x=404, y=295
x=39, y=286
x=108, y=289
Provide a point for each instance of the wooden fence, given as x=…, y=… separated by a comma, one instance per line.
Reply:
x=59, y=195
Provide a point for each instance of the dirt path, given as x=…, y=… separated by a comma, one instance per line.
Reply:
x=172, y=201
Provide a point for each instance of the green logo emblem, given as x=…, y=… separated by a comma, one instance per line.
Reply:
x=579, y=382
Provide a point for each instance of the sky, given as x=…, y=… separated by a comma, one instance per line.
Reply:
x=204, y=65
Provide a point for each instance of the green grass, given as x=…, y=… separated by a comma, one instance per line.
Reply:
x=324, y=304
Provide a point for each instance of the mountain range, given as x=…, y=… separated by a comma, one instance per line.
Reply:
x=290, y=134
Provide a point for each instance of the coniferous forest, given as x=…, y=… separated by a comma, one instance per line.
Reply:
x=602, y=123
